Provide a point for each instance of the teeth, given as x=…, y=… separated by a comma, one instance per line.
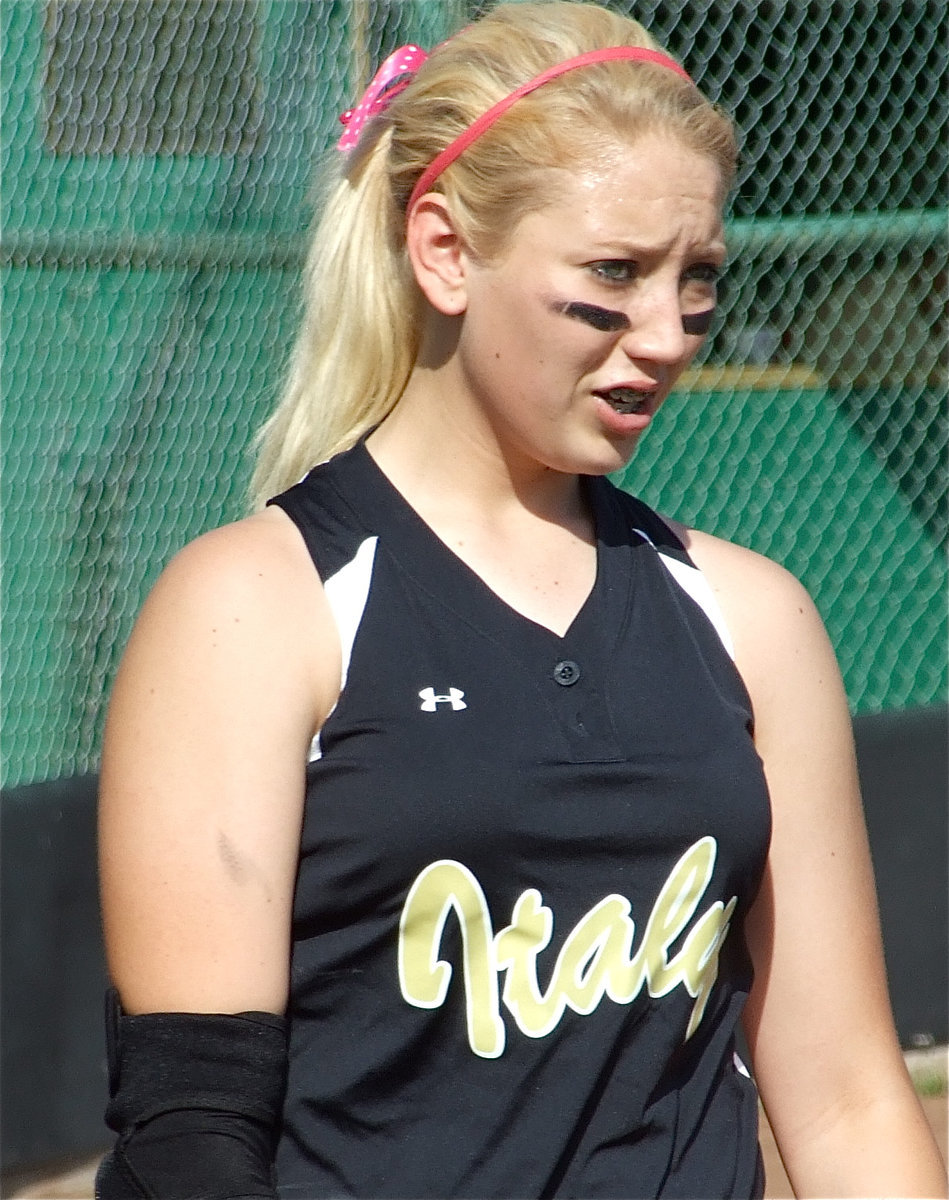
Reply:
x=626, y=400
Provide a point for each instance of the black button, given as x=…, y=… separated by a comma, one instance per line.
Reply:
x=566, y=673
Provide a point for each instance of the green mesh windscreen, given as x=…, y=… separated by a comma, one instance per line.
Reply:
x=157, y=164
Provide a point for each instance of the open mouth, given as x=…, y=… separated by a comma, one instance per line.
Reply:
x=627, y=400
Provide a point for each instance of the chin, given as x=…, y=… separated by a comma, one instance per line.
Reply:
x=604, y=463
x=606, y=457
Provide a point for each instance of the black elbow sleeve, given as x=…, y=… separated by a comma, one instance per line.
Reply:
x=195, y=1099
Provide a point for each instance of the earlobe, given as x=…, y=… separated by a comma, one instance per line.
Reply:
x=437, y=254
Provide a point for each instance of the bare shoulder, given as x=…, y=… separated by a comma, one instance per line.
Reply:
x=242, y=599
x=259, y=555
x=747, y=583
x=731, y=568
x=780, y=640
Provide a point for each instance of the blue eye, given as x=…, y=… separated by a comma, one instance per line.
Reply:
x=703, y=273
x=614, y=270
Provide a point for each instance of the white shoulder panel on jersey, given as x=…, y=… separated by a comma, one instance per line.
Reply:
x=692, y=581
x=347, y=592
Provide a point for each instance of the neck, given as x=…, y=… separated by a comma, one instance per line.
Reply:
x=438, y=450
x=524, y=530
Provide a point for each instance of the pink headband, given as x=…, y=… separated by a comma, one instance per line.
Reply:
x=397, y=71
x=477, y=127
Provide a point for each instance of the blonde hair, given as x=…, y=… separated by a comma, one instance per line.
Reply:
x=360, y=333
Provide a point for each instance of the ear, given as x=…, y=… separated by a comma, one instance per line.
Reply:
x=437, y=254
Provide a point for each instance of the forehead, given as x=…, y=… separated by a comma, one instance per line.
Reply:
x=656, y=194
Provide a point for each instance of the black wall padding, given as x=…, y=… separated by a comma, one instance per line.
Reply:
x=52, y=968
x=903, y=776
x=53, y=971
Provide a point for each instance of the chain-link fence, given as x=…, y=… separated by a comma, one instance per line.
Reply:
x=157, y=159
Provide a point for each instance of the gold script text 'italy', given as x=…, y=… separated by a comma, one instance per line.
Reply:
x=596, y=960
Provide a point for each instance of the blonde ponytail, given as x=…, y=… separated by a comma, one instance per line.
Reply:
x=358, y=339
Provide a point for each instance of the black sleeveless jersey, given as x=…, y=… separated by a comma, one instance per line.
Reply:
x=518, y=960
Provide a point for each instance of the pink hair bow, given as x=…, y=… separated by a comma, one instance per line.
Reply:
x=395, y=74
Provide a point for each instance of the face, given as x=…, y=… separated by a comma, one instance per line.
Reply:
x=574, y=337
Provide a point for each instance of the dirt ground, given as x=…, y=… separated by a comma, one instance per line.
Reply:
x=75, y=1182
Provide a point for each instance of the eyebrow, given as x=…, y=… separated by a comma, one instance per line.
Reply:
x=715, y=248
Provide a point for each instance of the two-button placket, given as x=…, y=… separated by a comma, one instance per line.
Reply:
x=583, y=715
x=571, y=701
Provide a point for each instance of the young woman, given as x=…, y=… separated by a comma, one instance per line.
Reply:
x=456, y=808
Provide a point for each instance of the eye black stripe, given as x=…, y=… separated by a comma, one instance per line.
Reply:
x=697, y=323
x=607, y=320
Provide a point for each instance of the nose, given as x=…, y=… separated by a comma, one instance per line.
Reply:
x=655, y=333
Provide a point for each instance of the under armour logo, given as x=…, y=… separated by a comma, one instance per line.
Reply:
x=430, y=702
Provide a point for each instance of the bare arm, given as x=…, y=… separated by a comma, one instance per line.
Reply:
x=819, y=1025
x=232, y=666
